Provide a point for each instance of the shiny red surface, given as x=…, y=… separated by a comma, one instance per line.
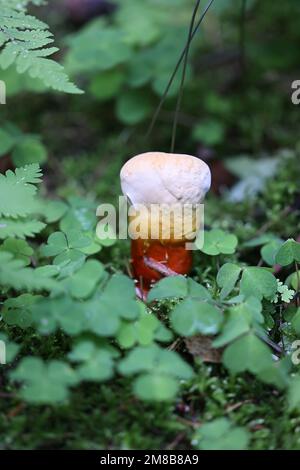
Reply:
x=170, y=255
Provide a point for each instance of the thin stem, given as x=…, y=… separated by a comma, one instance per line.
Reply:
x=186, y=56
x=243, y=35
x=298, y=283
x=167, y=89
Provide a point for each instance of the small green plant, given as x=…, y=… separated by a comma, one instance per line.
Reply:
x=23, y=41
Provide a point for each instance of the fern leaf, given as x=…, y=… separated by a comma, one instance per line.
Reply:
x=13, y=274
x=17, y=191
x=22, y=228
x=23, y=41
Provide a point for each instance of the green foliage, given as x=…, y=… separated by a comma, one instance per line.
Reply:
x=191, y=317
x=18, y=202
x=14, y=274
x=248, y=353
x=254, y=281
x=75, y=333
x=288, y=252
x=217, y=241
x=23, y=41
x=44, y=383
x=221, y=434
x=294, y=394
x=17, y=191
x=159, y=370
x=24, y=149
x=130, y=57
x=178, y=286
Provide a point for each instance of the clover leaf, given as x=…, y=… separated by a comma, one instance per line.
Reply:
x=96, y=363
x=238, y=321
x=18, y=311
x=289, y=252
x=178, y=287
x=217, y=241
x=227, y=278
x=258, y=282
x=191, y=317
x=83, y=282
x=247, y=353
x=221, y=434
x=158, y=369
x=143, y=331
x=44, y=382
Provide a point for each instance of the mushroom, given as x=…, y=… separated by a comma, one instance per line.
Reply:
x=158, y=184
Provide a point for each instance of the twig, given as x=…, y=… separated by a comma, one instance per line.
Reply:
x=159, y=267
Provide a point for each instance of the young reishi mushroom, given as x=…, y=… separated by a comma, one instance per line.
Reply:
x=167, y=180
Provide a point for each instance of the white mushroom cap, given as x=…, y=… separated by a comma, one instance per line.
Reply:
x=165, y=178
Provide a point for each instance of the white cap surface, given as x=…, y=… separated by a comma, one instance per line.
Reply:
x=165, y=178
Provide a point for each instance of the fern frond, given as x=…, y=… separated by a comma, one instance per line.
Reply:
x=20, y=228
x=23, y=39
x=17, y=191
x=14, y=275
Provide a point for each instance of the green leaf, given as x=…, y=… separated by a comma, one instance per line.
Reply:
x=156, y=360
x=247, y=353
x=81, y=215
x=239, y=319
x=210, y=132
x=107, y=85
x=29, y=150
x=258, y=282
x=236, y=325
x=144, y=330
x=17, y=191
x=44, y=382
x=19, y=248
x=217, y=241
x=296, y=321
x=18, y=311
x=177, y=287
x=294, y=394
x=133, y=107
x=277, y=373
x=24, y=38
x=139, y=22
x=191, y=317
x=155, y=387
x=20, y=228
x=56, y=244
x=289, y=252
x=84, y=281
x=269, y=252
x=227, y=278
x=52, y=210
x=221, y=434
x=14, y=274
x=6, y=141
x=119, y=297
x=96, y=47
x=97, y=364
